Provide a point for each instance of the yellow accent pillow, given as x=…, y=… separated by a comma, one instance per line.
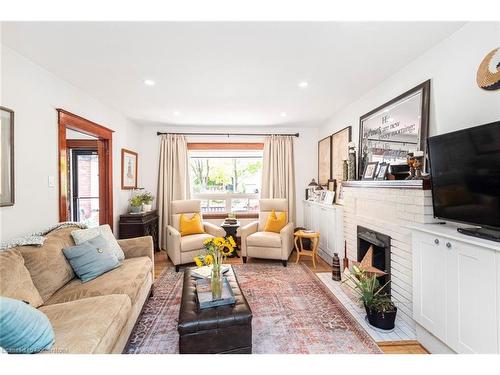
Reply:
x=275, y=223
x=190, y=226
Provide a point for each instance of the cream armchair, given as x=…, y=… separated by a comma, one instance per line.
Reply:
x=182, y=250
x=269, y=245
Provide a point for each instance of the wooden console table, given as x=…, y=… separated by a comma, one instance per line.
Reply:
x=138, y=225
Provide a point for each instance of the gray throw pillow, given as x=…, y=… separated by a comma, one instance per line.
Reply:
x=83, y=235
x=91, y=258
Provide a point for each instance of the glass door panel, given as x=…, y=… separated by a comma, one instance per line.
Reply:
x=85, y=186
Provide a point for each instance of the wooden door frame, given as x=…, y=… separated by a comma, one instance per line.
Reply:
x=67, y=120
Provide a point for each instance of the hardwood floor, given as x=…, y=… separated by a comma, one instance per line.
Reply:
x=391, y=347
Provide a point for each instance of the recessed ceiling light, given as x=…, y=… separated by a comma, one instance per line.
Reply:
x=283, y=114
x=149, y=82
x=303, y=84
x=177, y=113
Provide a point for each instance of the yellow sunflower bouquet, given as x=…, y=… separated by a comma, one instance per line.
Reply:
x=216, y=251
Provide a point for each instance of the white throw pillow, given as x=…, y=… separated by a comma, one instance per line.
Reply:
x=82, y=235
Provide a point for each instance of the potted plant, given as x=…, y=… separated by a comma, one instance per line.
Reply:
x=135, y=204
x=147, y=199
x=380, y=310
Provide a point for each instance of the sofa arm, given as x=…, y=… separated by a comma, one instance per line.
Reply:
x=245, y=232
x=213, y=229
x=173, y=245
x=138, y=247
x=286, y=235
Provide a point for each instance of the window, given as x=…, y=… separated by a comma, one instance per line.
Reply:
x=226, y=180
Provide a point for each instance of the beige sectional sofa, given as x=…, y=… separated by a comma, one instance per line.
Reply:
x=93, y=317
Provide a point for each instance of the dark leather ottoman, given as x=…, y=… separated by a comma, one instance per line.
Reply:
x=223, y=329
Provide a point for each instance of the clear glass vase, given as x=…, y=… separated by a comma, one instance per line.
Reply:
x=216, y=282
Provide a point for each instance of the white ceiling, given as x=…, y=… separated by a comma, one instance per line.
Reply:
x=225, y=73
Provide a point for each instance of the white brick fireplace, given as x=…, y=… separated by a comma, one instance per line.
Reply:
x=388, y=207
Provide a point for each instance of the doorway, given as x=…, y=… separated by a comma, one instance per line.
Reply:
x=85, y=171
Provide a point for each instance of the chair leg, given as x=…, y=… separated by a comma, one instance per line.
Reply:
x=285, y=262
x=177, y=267
x=244, y=259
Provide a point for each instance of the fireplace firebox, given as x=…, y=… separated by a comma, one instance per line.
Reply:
x=381, y=244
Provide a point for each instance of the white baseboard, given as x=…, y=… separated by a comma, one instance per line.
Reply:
x=431, y=342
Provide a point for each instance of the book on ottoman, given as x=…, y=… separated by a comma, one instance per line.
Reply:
x=204, y=293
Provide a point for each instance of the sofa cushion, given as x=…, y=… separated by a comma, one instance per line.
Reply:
x=91, y=259
x=264, y=239
x=48, y=267
x=126, y=279
x=83, y=235
x=194, y=241
x=23, y=329
x=89, y=325
x=15, y=279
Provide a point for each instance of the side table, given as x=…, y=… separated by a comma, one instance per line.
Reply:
x=137, y=225
x=231, y=231
x=314, y=237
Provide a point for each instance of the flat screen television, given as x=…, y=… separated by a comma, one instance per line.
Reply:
x=465, y=175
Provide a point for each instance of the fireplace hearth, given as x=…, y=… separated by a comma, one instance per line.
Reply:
x=381, y=244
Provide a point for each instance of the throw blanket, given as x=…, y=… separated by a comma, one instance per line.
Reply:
x=38, y=238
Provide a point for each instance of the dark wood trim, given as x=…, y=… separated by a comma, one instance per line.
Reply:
x=225, y=146
x=424, y=124
x=12, y=165
x=82, y=143
x=124, y=150
x=68, y=120
x=330, y=169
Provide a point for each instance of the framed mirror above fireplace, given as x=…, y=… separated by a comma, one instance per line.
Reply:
x=389, y=132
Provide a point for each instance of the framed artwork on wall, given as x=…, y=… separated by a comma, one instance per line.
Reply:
x=129, y=169
x=324, y=160
x=6, y=157
x=340, y=140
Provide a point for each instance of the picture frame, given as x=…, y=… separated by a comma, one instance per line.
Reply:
x=129, y=169
x=370, y=170
x=332, y=184
x=397, y=127
x=340, y=141
x=324, y=160
x=339, y=194
x=7, y=186
x=383, y=168
x=329, y=197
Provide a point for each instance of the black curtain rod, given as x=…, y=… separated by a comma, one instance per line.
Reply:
x=233, y=134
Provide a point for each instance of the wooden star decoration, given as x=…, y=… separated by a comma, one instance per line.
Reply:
x=366, y=264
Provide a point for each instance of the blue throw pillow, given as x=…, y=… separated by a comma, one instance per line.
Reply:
x=23, y=329
x=91, y=258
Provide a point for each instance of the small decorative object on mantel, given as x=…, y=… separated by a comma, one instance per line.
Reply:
x=352, y=161
x=345, y=170
x=336, y=267
x=382, y=171
x=311, y=190
x=488, y=73
x=332, y=184
x=370, y=170
x=410, y=160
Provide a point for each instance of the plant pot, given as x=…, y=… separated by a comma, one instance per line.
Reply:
x=146, y=207
x=381, y=320
x=135, y=209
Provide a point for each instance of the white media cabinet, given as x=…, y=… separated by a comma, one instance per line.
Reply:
x=456, y=290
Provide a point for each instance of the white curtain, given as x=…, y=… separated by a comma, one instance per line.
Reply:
x=278, y=171
x=173, y=178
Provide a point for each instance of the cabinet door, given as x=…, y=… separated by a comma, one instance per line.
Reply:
x=323, y=228
x=331, y=233
x=472, y=323
x=429, y=288
x=307, y=215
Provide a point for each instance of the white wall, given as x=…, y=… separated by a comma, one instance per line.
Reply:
x=456, y=100
x=305, y=152
x=34, y=94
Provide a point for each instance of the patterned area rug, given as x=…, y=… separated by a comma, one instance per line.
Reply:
x=293, y=312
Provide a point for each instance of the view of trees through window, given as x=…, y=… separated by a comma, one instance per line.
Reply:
x=226, y=181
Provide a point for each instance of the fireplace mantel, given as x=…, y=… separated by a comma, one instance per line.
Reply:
x=395, y=184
